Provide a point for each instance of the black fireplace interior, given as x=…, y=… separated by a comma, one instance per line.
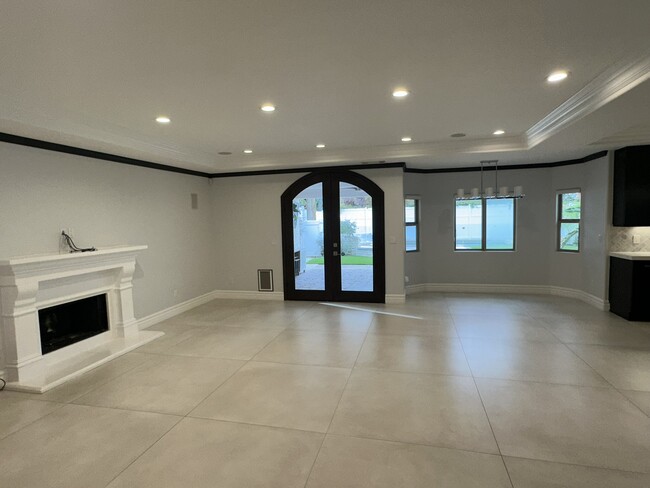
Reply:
x=72, y=322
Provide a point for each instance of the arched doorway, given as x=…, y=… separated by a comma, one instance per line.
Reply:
x=333, y=238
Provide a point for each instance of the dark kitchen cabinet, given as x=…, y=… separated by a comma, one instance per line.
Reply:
x=629, y=288
x=632, y=187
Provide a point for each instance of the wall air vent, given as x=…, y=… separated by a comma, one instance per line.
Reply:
x=265, y=279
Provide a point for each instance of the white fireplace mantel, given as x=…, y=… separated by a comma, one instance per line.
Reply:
x=31, y=283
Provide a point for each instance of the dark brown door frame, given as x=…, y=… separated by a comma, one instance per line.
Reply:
x=331, y=226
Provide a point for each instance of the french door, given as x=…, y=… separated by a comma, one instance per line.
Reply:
x=333, y=238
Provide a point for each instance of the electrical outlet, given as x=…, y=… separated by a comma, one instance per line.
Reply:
x=636, y=239
x=406, y=279
x=175, y=293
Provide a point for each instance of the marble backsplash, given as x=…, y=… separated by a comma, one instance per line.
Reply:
x=620, y=239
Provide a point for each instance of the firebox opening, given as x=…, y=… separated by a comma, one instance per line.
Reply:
x=72, y=322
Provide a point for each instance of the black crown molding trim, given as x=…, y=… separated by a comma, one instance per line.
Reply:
x=77, y=151
x=321, y=169
x=554, y=164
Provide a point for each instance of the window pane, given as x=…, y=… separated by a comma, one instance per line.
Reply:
x=309, y=271
x=570, y=237
x=468, y=224
x=570, y=206
x=409, y=211
x=500, y=224
x=356, y=238
x=411, y=238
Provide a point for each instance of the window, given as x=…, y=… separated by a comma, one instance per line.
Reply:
x=412, y=223
x=485, y=225
x=569, y=204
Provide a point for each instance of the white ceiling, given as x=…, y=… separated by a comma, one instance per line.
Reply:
x=95, y=74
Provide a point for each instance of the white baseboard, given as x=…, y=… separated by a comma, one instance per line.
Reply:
x=249, y=295
x=395, y=298
x=512, y=289
x=179, y=308
x=174, y=310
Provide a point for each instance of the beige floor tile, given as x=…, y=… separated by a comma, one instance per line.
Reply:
x=334, y=319
x=315, y=348
x=526, y=473
x=207, y=454
x=90, y=380
x=392, y=325
x=280, y=395
x=508, y=330
x=174, y=333
x=625, y=368
x=165, y=384
x=581, y=332
x=348, y=462
x=569, y=424
x=414, y=354
x=225, y=342
x=18, y=411
x=530, y=361
x=640, y=398
x=78, y=447
x=443, y=411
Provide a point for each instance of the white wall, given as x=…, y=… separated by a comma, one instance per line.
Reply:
x=249, y=237
x=535, y=260
x=111, y=204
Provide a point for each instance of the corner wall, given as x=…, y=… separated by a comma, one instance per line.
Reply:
x=108, y=204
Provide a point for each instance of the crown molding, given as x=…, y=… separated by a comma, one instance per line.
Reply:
x=612, y=83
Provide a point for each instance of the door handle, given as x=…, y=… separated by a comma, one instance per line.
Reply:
x=335, y=253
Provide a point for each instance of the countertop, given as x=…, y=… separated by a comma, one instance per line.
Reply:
x=632, y=256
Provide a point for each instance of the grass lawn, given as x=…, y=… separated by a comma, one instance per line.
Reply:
x=345, y=260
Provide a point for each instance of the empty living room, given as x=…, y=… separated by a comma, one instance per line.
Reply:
x=324, y=244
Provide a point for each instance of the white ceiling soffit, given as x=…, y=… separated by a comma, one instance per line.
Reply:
x=95, y=74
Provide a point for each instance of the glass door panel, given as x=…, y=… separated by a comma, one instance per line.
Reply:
x=308, y=239
x=355, y=238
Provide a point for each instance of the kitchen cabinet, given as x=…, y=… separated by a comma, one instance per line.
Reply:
x=629, y=285
x=632, y=187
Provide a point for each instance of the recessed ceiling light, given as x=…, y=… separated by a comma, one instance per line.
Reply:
x=248, y=151
x=406, y=139
x=163, y=119
x=267, y=107
x=400, y=92
x=320, y=146
x=499, y=132
x=458, y=134
x=557, y=76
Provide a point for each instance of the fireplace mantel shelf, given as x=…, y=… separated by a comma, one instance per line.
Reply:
x=70, y=256
x=31, y=283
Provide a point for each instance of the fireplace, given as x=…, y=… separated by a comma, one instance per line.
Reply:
x=64, y=314
x=72, y=322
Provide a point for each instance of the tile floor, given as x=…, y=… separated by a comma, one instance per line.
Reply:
x=447, y=390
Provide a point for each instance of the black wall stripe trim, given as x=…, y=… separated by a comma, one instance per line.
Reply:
x=77, y=151
x=309, y=170
x=555, y=164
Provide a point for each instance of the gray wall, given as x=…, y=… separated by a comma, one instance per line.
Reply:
x=248, y=228
x=535, y=261
x=111, y=204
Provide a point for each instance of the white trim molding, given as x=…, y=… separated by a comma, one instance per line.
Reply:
x=609, y=85
x=593, y=300
x=395, y=298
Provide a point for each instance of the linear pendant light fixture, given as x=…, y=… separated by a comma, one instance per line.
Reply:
x=489, y=193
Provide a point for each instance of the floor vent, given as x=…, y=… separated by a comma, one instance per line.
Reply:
x=265, y=279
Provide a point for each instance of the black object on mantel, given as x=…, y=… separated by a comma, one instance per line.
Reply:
x=629, y=288
x=73, y=247
x=632, y=187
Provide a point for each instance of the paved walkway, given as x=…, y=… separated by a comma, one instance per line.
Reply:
x=354, y=278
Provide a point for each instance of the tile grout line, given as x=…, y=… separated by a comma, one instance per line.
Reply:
x=487, y=417
x=329, y=425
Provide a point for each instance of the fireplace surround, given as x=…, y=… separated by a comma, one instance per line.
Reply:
x=32, y=284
